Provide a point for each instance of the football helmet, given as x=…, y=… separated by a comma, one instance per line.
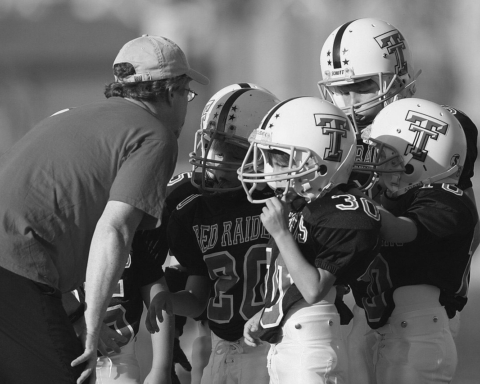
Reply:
x=320, y=142
x=230, y=116
x=415, y=142
x=361, y=50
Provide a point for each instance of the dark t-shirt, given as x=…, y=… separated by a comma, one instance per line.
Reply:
x=445, y=218
x=58, y=178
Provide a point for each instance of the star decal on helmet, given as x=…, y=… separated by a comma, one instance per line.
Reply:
x=345, y=50
x=270, y=125
x=277, y=115
x=345, y=62
x=329, y=62
x=215, y=115
x=234, y=108
x=231, y=117
x=219, y=106
x=329, y=53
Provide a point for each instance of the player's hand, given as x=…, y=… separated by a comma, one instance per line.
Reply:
x=109, y=340
x=274, y=216
x=252, y=330
x=89, y=357
x=160, y=302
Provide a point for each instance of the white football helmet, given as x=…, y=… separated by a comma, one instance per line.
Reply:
x=415, y=142
x=316, y=135
x=366, y=49
x=230, y=115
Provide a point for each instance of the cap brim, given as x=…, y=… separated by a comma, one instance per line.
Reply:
x=197, y=76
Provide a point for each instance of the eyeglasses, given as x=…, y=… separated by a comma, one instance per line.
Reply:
x=191, y=94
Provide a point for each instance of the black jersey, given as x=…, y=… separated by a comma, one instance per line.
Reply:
x=144, y=265
x=338, y=233
x=445, y=218
x=221, y=236
x=471, y=134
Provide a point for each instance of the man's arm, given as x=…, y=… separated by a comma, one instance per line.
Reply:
x=162, y=342
x=109, y=250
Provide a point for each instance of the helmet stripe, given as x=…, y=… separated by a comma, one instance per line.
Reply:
x=337, y=61
x=244, y=85
x=222, y=119
x=267, y=118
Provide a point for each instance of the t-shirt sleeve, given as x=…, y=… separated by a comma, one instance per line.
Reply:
x=143, y=176
x=184, y=246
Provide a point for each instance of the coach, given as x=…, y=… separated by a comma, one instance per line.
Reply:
x=74, y=190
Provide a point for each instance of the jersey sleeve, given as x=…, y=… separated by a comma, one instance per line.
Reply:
x=342, y=247
x=438, y=213
x=149, y=248
x=184, y=246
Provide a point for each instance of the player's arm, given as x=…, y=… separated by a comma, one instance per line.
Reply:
x=190, y=302
x=111, y=243
x=396, y=229
x=162, y=341
x=313, y=283
x=476, y=235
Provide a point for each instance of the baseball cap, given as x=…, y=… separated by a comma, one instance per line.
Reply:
x=155, y=58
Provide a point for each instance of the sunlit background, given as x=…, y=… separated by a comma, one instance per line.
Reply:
x=56, y=54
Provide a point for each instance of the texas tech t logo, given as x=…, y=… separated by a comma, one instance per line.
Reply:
x=394, y=42
x=336, y=127
x=425, y=128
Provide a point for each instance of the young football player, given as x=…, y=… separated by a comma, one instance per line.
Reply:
x=149, y=252
x=219, y=238
x=420, y=278
x=367, y=64
x=328, y=239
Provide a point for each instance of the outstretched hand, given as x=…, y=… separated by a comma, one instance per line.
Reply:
x=161, y=302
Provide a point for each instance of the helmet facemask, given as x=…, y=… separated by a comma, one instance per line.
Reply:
x=390, y=87
x=207, y=143
x=227, y=120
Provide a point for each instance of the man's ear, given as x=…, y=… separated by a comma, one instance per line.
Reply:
x=169, y=96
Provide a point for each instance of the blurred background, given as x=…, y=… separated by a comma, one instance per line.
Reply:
x=56, y=54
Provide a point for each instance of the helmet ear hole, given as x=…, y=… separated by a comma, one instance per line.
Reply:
x=322, y=170
x=409, y=169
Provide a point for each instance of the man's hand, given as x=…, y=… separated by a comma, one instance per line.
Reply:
x=89, y=357
x=161, y=302
x=252, y=330
x=109, y=338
